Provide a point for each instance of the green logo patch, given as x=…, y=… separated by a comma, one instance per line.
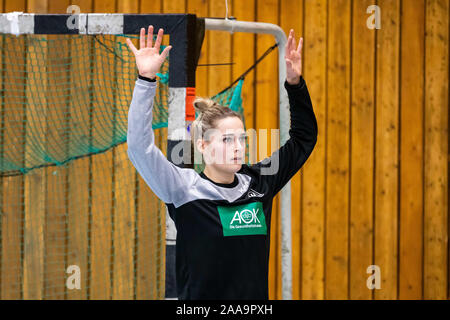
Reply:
x=246, y=219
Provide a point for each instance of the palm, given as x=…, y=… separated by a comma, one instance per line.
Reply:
x=293, y=57
x=148, y=59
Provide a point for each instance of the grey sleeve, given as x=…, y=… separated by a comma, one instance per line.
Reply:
x=166, y=180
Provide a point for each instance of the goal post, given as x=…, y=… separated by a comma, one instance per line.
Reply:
x=232, y=25
x=84, y=225
x=65, y=189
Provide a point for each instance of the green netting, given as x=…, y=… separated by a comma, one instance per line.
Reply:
x=97, y=74
x=71, y=202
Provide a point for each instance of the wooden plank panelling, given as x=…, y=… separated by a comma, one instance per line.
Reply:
x=337, y=152
x=12, y=210
x=436, y=150
x=79, y=170
x=314, y=178
x=124, y=183
x=361, y=152
x=219, y=77
x=267, y=117
x=411, y=149
x=291, y=17
x=150, y=220
x=242, y=42
x=35, y=181
x=373, y=192
x=102, y=173
x=200, y=8
x=386, y=148
x=56, y=146
x=2, y=104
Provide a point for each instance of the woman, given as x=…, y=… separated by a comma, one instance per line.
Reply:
x=223, y=214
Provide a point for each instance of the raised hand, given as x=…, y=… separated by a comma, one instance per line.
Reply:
x=293, y=57
x=148, y=59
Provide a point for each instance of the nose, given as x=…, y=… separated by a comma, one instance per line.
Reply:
x=238, y=145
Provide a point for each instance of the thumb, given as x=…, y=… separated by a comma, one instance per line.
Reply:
x=165, y=52
x=131, y=46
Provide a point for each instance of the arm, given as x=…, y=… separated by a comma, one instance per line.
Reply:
x=303, y=136
x=165, y=179
x=282, y=165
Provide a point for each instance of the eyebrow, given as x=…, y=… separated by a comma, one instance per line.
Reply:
x=230, y=134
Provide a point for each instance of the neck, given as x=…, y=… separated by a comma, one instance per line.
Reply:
x=218, y=176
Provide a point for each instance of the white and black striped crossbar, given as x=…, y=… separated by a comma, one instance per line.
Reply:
x=186, y=37
x=186, y=33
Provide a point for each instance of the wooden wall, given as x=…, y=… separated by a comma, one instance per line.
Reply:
x=375, y=189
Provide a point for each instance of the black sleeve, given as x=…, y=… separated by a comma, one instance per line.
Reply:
x=146, y=79
x=284, y=163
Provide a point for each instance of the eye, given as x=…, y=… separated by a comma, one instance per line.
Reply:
x=243, y=139
x=227, y=139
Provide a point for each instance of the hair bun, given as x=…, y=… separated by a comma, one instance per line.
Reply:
x=203, y=104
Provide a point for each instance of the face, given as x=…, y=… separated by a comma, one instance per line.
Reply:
x=225, y=148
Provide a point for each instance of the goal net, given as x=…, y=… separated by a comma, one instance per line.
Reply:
x=76, y=219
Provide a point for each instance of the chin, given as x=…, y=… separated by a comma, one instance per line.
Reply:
x=231, y=167
x=234, y=167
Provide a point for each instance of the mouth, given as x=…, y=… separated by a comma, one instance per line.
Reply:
x=236, y=159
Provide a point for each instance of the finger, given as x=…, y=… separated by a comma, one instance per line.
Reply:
x=294, y=43
x=159, y=38
x=142, y=39
x=165, y=52
x=131, y=46
x=288, y=48
x=300, y=46
x=289, y=42
x=289, y=38
x=288, y=45
x=150, y=36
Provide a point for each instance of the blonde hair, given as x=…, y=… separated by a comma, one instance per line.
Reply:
x=209, y=112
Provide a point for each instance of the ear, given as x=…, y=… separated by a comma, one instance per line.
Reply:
x=200, y=145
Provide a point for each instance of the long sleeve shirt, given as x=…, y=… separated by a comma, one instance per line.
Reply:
x=223, y=230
